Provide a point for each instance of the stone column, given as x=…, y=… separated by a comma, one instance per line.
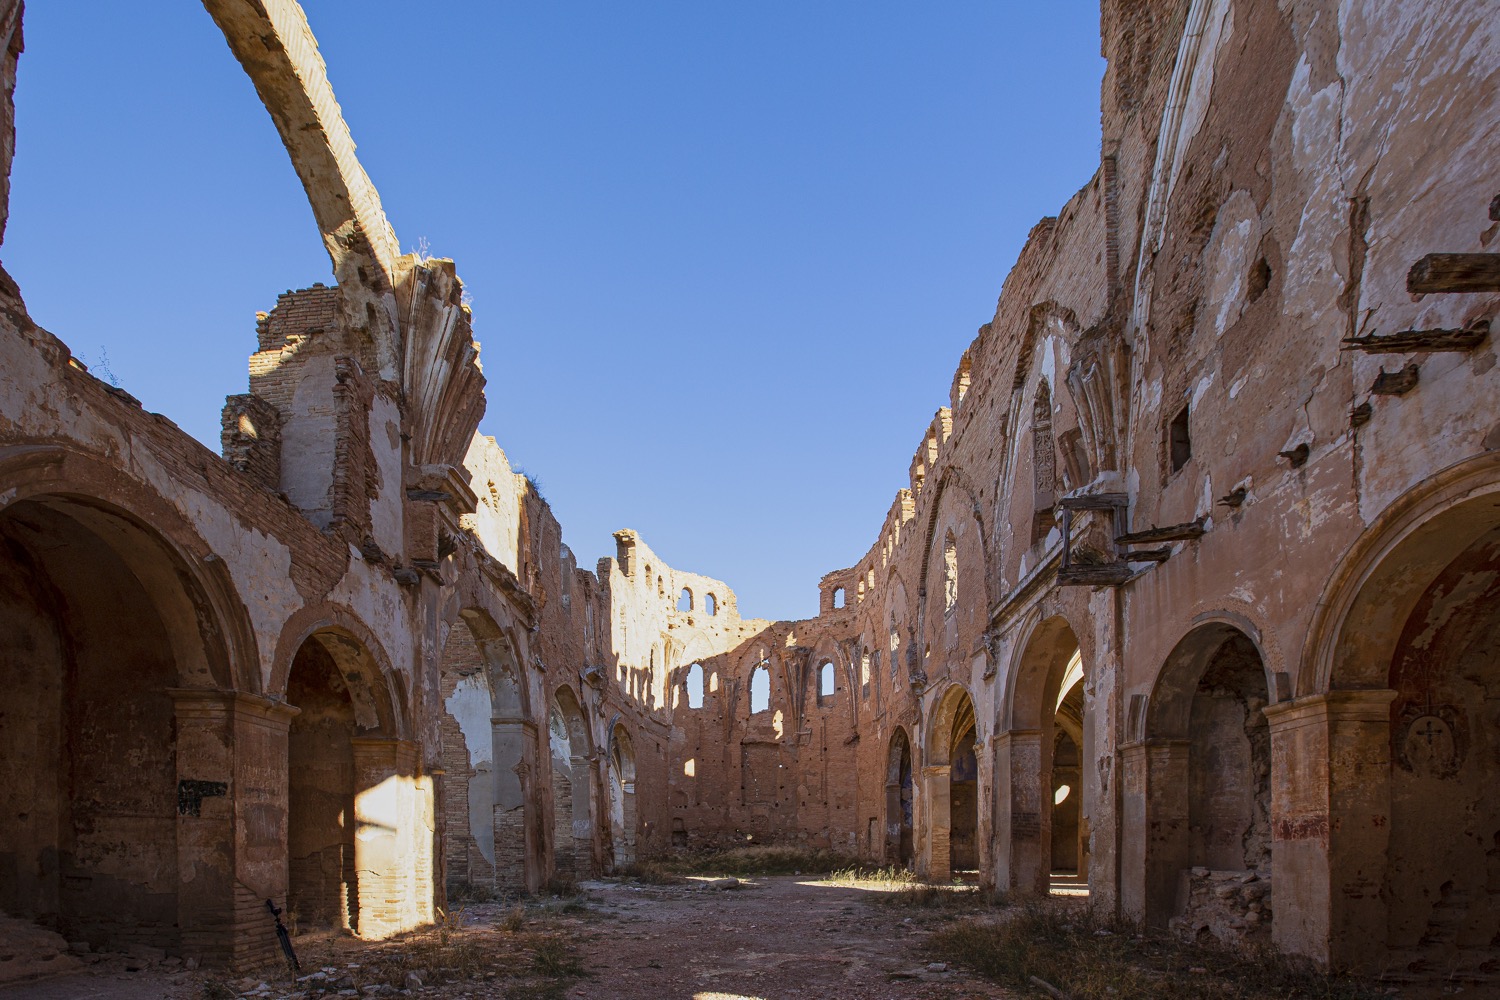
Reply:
x=231, y=822
x=1330, y=825
x=1155, y=847
x=1023, y=834
x=939, y=821
x=206, y=911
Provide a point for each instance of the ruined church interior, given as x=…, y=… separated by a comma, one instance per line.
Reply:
x=1185, y=621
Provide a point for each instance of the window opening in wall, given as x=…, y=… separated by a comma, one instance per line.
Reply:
x=1178, y=440
x=685, y=600
x=838, y=597
x=825, y=682
x=1044, y=464
x=690, y=767
x=875, y=662
x=950, y=574
x=710, y=604
x=895, y=645
x=760, y=690
x=694, y=686
x=864, y=675
x=661, y=591
x=713, y=682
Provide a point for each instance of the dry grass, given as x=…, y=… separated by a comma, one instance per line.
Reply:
x=652, y=873
x=889, y=878
x=926, y=896
x=756, y=860
x=1084, y=958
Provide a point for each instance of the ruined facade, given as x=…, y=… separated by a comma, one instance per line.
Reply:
x=1191, y=592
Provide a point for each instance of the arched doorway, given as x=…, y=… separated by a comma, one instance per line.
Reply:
x=360, y=827
x=1210, y=801
x=469, y=773
x=483, y=729
x=1069, y=850
x=1402, y=703
x=1443, y=875
x=1045, y=779
x=952, y=785
x=622, y=822
x=898, y=802
x=572, y=788
x=103, y=633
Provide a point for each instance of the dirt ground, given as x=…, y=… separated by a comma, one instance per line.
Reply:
x=767, y=937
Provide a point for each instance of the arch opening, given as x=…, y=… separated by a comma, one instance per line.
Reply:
x=483, y=736
x=100, y=629
x=622, y=809
x=1214, y=802
x=1443, y=873
x=952, y=786
x=572, y=788
x=1045, y=843
x=898, y=802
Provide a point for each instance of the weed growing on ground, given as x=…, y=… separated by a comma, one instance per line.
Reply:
x=217, y=989
x=514, y=919
x=652, y=873
x=562, y=885
x=554, y=958
x=889, y=877
x=1084, y=957
x=922, y=895
x=756, y=860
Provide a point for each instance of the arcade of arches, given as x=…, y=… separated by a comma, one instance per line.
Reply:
x=1188, y=599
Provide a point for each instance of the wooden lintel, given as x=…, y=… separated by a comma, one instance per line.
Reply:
x=1413, y=341
x=1160, y=555
x=1171, y=533
x=1094, y=501
x=1082, y=575
x=1455, y=272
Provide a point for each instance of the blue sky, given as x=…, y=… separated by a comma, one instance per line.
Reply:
x=723, y=257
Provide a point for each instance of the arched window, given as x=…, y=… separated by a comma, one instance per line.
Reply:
x=710, y=604
x=685, y=600
x=760, y=690
x=825, y=683
x=950, y=574
x=838, y=597
x=694, y=686
x=864, y=674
